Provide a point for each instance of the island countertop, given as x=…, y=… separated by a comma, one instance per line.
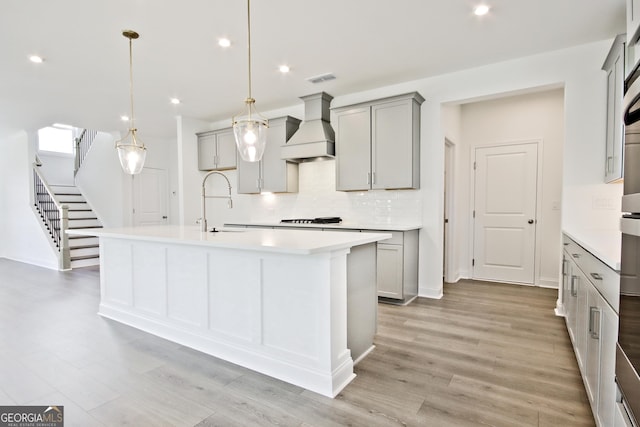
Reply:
x=303, y=242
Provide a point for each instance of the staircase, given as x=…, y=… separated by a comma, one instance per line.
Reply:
x=84, y=250
x=63, y=207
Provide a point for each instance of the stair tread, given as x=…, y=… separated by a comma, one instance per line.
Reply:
x=84, y=226
x=84, y=247
x=82, y=237
x=77, y=258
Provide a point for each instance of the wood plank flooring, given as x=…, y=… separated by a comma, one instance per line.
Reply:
x=484, y=355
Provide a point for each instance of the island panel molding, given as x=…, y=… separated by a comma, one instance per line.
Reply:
x=282, y=312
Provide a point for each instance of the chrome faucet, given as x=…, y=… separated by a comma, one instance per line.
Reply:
x=203, y=219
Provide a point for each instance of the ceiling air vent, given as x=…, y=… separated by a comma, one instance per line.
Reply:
x=321, y=78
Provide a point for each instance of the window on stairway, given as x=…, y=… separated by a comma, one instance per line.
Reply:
x=57, y=139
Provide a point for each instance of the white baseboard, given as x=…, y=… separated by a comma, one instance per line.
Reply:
x=545, y=282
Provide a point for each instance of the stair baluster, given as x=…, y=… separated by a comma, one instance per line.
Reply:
x=54, y=215
x=82, y=145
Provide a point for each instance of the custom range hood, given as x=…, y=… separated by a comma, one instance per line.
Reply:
x=315, y=137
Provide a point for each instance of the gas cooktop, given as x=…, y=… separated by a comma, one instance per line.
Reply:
x=321, y=220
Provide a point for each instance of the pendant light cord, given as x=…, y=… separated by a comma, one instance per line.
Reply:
x=131, y=83
x=249, y=42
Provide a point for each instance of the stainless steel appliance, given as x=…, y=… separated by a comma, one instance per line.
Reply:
x=321, y=220
x=628, y=348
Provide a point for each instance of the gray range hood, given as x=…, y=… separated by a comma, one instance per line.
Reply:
x=315, y=137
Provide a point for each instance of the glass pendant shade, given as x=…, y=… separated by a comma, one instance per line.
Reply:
x=250, y=133
x=131, y=155
x=250, y=130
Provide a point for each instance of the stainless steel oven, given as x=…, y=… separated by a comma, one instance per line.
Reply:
x=628, y=348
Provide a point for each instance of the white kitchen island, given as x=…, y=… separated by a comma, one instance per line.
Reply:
x=296, y=305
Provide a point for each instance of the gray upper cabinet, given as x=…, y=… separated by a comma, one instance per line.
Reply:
x=378, y=144
x=633, y=21
x=216, y=150
x=614, y=66
x=271, y=174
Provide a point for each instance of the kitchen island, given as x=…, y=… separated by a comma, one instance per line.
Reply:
x=292, y=304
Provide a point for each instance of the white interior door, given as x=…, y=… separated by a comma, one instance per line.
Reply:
x=505, y=213
x=150, y=197
x=446, y=245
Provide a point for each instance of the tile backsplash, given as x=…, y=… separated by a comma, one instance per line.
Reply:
x=317, y=197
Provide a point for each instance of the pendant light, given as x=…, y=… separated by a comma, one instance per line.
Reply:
x=250, y=130
x=131, y=152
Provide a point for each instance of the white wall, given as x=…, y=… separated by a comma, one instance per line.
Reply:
x=577, y=69
x=102, y=181
x=23, y=238
x=531, y=117
x=57, y=168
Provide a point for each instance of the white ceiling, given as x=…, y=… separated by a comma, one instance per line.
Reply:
x=366, y=44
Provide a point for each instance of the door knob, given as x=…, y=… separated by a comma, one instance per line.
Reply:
x=530, y=221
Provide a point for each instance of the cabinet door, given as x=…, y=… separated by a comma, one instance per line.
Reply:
x=226, y=150
x=207, y=152
x=389, y=269
x=274, y=169
x=615, y=126
x=353, y=149
x=248, y=177
x=581, y=318
x=633, y=20
x=392, y=147
x=592, y=354
x=571, y=300
x=607, y=385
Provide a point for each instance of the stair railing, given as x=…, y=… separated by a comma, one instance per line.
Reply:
x=54, y=215
x=82, y=146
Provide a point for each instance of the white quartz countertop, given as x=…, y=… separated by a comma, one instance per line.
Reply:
x=603, y=244
x=340, y=226
x=304, y=242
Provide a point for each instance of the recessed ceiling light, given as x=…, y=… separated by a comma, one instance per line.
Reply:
x=284, y=69
x=36, y=59
x=175, y=101
x=480, y=10
x=224, y=42
x=124, y=118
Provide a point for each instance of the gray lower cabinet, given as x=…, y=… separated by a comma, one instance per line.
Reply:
x=397, y=278
x=592, y=322
x=216, y=150
x=272, y=173
x=378, y=144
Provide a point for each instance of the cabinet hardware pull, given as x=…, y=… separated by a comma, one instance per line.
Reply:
x=369, y=178
x=594, y=331
x=574, y=293
x=564, y=267
x=575, y=255
x=596, y=276
x=373, y=178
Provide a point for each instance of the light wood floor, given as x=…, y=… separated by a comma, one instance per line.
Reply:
x=486, y=354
